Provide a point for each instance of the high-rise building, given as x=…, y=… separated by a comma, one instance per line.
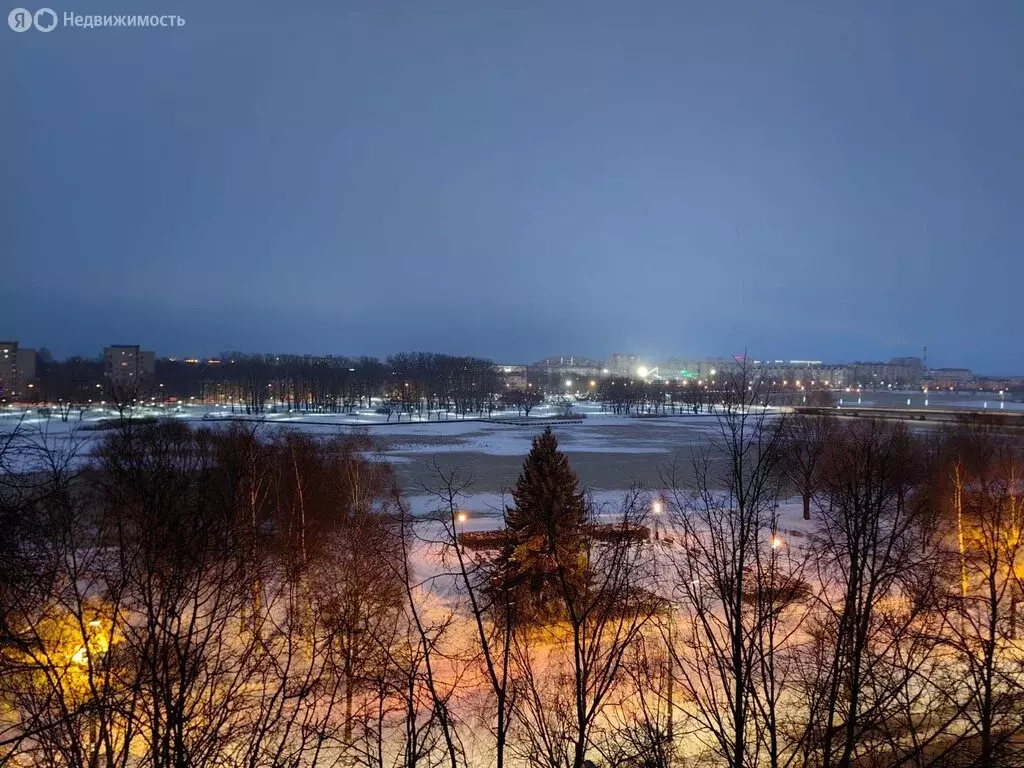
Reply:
x=128, y=368
x=17, y=370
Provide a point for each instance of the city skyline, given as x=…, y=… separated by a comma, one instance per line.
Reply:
x=175, y=353
x=614, y=364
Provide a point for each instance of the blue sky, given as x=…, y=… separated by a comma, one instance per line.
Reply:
x=799, y=179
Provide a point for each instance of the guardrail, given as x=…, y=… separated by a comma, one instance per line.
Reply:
x=939, y=415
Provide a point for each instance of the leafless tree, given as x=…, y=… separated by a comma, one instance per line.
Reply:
x=806, y=440
x=739, y=588
x=876, y=558
x=489, y=612
x=143, y=643
x=984, y=516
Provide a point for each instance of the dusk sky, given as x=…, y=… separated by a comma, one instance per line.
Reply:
x=800, y=179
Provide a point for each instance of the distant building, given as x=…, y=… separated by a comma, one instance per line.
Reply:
x=804, y=373
x=898, y=373
x=512, y=376
x=569, y=365
x=675, y=369
x=17, y=370
x=911, y=369
x=566, y=369
x=623, y=366
x=950, y=378
x=128, y=368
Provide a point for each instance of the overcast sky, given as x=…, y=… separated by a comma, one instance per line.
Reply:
x=799, y=179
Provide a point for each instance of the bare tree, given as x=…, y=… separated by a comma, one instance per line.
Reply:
x=490, y=613
x=143, y=643
x=806, y=440
x=735, y=583
x=875, y=555
x=986, y=519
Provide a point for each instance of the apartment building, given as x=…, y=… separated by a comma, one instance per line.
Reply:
x=17, y=371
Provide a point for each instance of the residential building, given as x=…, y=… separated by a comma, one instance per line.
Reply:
x=805, y=373
x=898, y=373
x=950, y=378
x=17, y=370
x=567, y=370
x=128, y=368
x=622, y=365
x=569, y=365
x=512, y=376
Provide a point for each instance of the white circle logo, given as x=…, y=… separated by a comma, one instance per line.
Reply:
x=45, y=19
x=20, y=19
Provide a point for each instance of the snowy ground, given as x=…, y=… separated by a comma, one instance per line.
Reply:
x=609, y=452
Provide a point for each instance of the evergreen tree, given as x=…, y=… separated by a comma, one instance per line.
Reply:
x=546, y=542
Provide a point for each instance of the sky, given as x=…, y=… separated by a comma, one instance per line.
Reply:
x=802, y=180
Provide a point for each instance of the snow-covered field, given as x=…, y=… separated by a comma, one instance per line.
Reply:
x=608, y=452
x=491, y=451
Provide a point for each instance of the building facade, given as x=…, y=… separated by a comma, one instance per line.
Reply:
x=127, y=368
x=568, y=365
x=805, y=373
x=512, y=376
x=623, y=365
x=17, y=371
x=950, y=378
x=898, y=373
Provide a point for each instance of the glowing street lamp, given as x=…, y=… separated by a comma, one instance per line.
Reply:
x=95, y=647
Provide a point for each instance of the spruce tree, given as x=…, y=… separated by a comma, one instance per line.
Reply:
x=546, y=551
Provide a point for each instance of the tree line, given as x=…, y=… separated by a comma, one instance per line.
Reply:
x=657, y=397
x=407, y=384
x=418, y=384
